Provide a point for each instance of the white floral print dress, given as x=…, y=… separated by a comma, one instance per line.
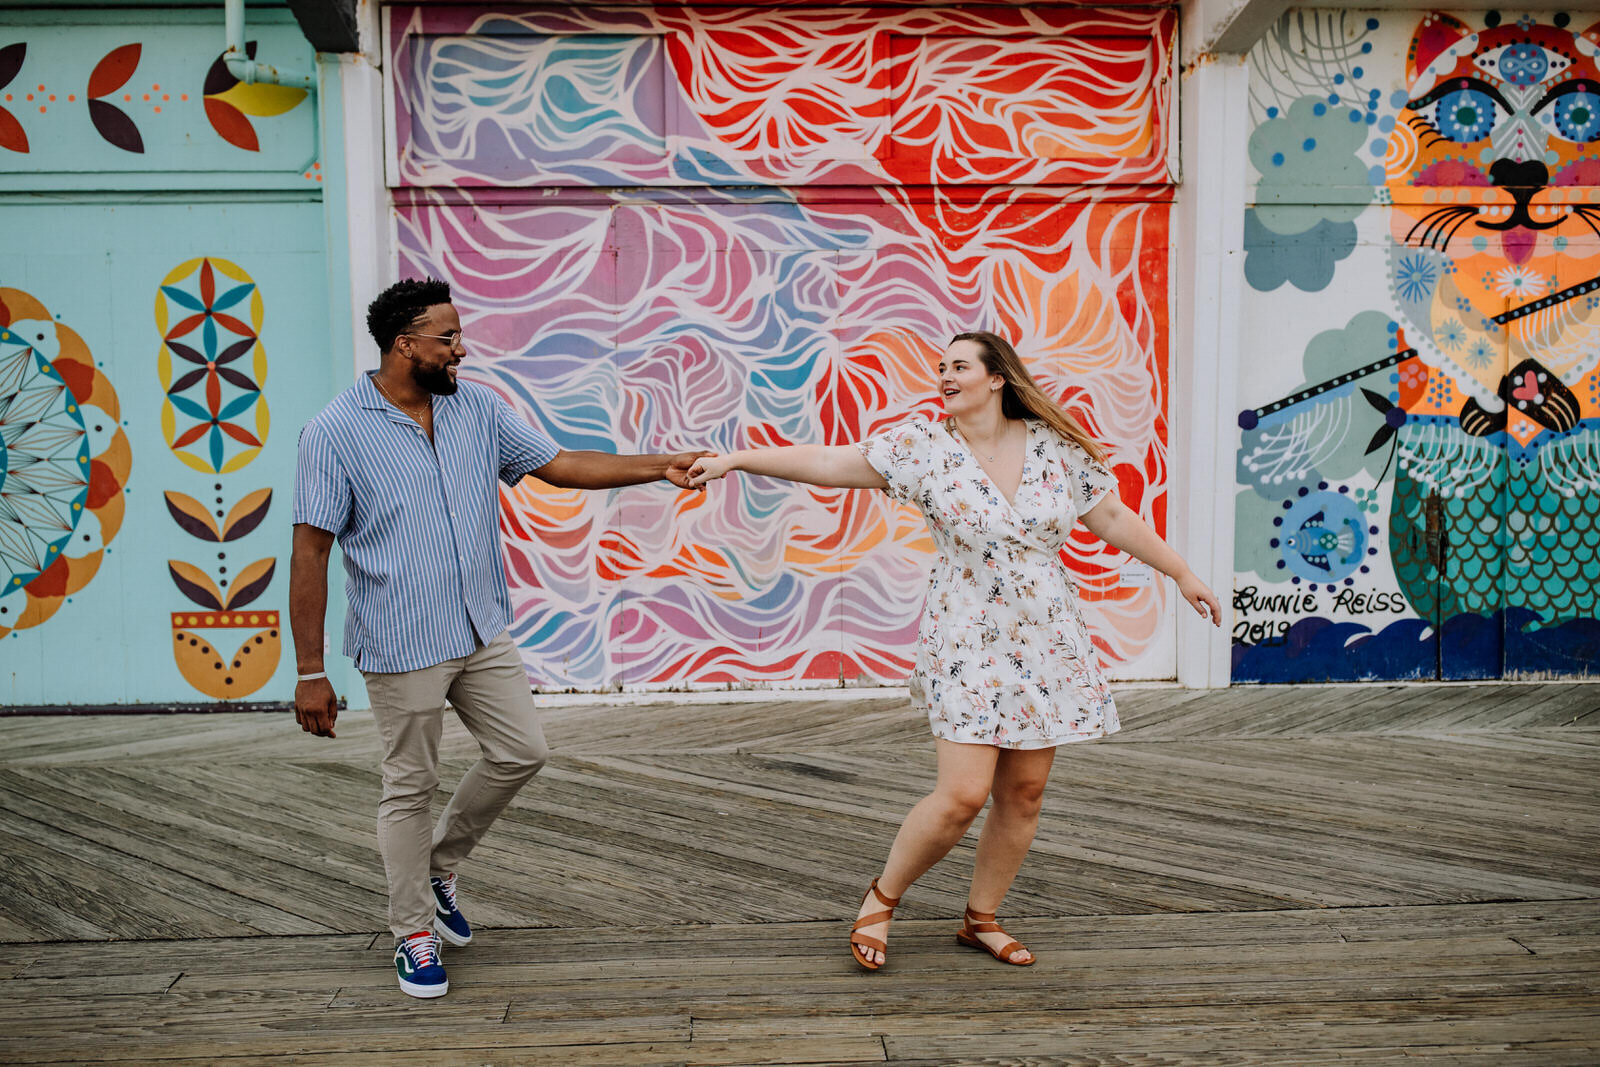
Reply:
x=1003, y=656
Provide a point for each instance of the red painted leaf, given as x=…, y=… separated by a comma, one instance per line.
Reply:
x=191, y=435
x=115, y=126
x=239, y=433
x=113, y=71
x=208, y=283
x=213, y=393
x=103, y=484
x=186, y=326
x=52, y=581
x=12, y=135
x=231, y=125
x=228, y=322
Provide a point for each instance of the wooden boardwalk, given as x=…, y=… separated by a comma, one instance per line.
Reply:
x=1367, y=874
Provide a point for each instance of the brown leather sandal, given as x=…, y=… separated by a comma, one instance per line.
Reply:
x=858, y=941
x=974, y=923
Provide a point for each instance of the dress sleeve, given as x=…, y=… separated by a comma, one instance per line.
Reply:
x=902, y=454
x=1092, y=479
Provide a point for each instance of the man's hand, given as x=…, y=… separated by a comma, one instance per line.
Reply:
x=316, y=706
x=678, y=469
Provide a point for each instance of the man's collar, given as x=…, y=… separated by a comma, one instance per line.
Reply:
x=367, y=393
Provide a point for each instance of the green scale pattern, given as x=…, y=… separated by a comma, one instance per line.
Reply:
x=1511, y=542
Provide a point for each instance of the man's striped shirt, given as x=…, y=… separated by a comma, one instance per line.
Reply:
x=419, y=521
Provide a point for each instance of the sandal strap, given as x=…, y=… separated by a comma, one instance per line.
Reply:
x=885, y=901
x=868, y=942
x=981, y=916
x=873, y=919
x=1005, y=952
x=984, y=928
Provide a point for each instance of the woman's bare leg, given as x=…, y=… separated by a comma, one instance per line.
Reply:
x=1019, y=781
x=934, y=825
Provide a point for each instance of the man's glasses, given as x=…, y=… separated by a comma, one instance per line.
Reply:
x=453, y=338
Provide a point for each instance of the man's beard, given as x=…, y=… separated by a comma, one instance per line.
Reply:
x=436, y=380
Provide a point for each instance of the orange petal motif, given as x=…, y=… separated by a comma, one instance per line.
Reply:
x=246, y=514
x=12, y=135
x=114, y=70
x=231, y=125
x=195, y=584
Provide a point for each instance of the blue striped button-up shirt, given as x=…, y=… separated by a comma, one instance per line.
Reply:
x=419, y=521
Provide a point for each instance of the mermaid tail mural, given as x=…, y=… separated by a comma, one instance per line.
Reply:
x=1488, y=432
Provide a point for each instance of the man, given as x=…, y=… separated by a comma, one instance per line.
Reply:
x=401, y=469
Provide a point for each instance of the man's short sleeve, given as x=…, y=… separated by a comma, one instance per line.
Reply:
x=523, y=449
x=322, y=495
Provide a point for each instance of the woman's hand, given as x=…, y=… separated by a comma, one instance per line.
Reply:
x=678, y=468
x=708, y=468
x=1201, y=597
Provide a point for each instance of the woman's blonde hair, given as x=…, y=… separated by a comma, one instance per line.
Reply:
x=1021, y=397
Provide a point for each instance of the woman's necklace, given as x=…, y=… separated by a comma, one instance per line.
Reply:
x=397, y=403
x=1004, y=437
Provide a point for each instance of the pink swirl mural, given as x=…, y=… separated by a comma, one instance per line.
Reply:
x=761, y=227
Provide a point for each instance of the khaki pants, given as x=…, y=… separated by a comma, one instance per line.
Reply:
x=489, y=691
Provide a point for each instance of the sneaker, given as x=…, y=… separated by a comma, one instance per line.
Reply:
x=447, y=918
x=416, y=964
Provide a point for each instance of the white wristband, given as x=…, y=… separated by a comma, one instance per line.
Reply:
x=312, y=677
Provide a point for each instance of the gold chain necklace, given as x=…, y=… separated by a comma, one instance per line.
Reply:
x=397, y=403
x=1003, y=438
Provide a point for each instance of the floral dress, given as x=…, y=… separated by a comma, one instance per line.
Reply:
x=1003, y=656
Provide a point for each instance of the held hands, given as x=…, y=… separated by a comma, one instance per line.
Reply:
x=1200, y=595
x=680, y=467
x=707, y=468
x=316, y=706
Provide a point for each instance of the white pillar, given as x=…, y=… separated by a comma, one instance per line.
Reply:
x=360, y=259
x=1208, y=241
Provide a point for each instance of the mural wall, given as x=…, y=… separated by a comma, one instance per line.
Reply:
x=144, y=448
x=1419, y=469
x=671, y=228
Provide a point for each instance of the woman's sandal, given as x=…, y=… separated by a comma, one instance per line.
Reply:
x=858, y=940
x=974, y=923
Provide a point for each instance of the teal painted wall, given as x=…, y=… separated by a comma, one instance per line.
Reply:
x=164, y=332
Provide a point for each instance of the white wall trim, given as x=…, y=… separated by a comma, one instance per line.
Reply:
x=1209, y=249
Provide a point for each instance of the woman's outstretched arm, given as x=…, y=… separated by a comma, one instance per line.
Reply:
x=838, y=466
x=1118, y=526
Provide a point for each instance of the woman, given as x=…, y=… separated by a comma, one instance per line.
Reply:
x=1004, y=663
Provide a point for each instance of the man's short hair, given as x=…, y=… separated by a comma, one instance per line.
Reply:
x=397, y=308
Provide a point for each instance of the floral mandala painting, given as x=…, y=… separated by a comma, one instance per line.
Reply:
x=64, y=461
x=212, y=365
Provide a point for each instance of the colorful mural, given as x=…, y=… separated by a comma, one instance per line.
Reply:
x=131, y=93
x=63, y=463
x=1423, y=500
x=139, y=178
x=761, y=226
x=214, y=419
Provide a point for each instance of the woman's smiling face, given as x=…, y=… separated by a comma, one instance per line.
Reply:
x=965, y=384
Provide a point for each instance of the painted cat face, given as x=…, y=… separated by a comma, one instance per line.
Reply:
x=1493, y=170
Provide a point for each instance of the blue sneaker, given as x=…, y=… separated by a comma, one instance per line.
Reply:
x=448, y=921
x=416, y=964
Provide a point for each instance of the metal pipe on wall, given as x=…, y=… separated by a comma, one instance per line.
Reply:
x=246, y=69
